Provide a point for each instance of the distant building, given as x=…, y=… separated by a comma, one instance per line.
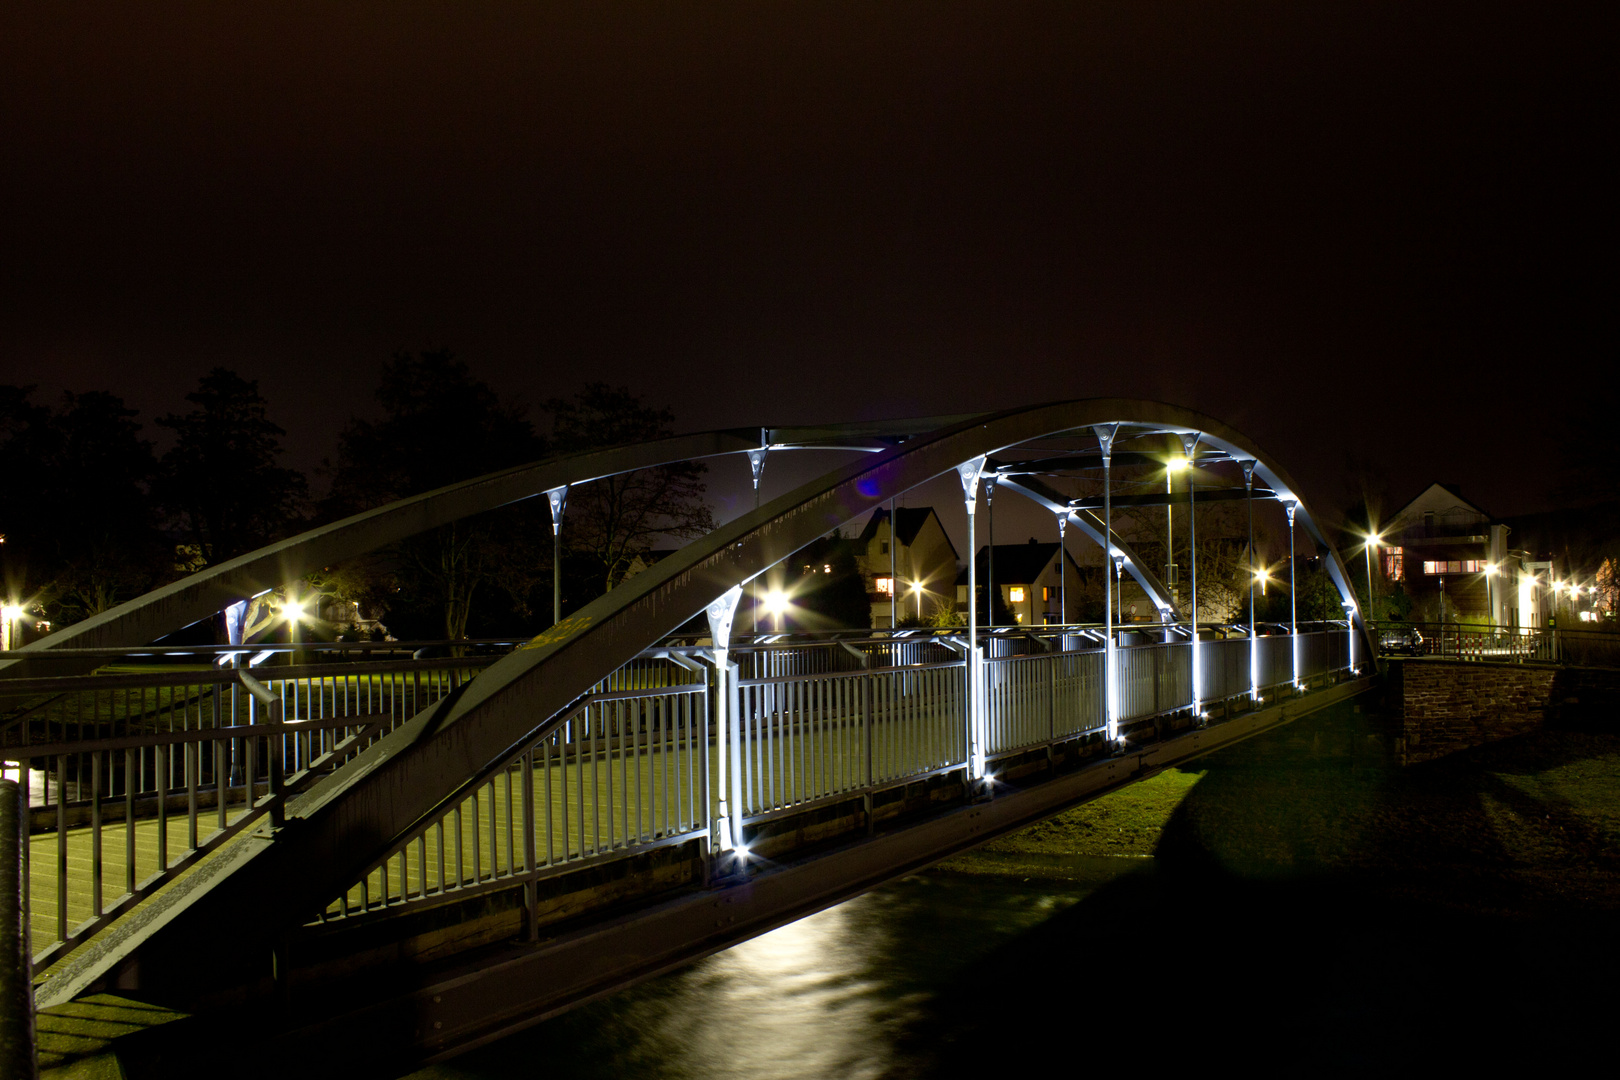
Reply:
x=1455, y=563
x=924, y=561
x=1027, y=578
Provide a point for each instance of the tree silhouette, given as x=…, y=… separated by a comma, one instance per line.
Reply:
x=612, y=520
x=220, y=479
x=439, y=426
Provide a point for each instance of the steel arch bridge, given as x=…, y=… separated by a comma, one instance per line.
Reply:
x=610, y=798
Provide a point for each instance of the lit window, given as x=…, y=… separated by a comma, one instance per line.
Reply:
x=1046, y=594
x=826, y=568
x=884, y=585
x=1394, y=569
x=1016, y=594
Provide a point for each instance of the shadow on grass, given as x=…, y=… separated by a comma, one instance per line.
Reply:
x=1324, y=911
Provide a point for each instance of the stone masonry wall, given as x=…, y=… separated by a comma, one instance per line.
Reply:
x=1451, y=705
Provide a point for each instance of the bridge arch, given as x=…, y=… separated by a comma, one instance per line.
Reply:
x=353, y=816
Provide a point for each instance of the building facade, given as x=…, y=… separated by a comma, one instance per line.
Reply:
x=909, y=563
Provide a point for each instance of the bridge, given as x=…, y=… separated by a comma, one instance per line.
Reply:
x=437, y=846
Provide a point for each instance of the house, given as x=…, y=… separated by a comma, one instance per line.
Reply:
x=1027, y=579
x=922, y=558
x=1454, y=561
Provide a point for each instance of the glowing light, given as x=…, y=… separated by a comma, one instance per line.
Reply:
x=1374, y=540
x=1177, y=464
x=776, y=601
x=293, y=610
x=11, y=611
x=1490, y=569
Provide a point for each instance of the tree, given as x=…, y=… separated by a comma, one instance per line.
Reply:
x=440, y=425
x=831, y=593
x=612, y=520
x=220, y=479
x=80, y=532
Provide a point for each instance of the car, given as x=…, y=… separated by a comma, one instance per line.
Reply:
x=1401, y=639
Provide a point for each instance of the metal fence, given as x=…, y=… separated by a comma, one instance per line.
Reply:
x=138, y=775
x=1575, y=648
x=628, y=768
x=133, y=777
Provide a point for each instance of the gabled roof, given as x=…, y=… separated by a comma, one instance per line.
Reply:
x=1017, y=564
x=1437, y=497
x=908, y=522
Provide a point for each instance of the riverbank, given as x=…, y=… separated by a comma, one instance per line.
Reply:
x=1526, y=826
x=1310, y=905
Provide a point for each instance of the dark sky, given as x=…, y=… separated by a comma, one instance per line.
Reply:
x=1371, y=236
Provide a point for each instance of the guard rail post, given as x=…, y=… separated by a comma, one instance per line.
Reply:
x=17, y=1057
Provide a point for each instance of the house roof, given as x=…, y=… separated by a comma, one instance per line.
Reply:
x=1435, y=495
x=908, y=522
x=1017, y=564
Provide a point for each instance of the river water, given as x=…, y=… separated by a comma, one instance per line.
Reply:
x=848, y=992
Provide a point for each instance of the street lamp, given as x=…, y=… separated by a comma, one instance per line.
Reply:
x=9, y=615
x=776, y=602
x=1174, y=465
x=1373, y=540
x=1491, y=571
x=917, y=590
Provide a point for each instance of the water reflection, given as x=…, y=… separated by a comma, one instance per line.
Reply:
x=833, y=994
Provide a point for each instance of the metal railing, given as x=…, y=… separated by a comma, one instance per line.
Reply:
x=1576, y=648
x=136, y=776
x=626, y=769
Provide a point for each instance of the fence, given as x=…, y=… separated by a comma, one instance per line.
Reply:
x=133, y=777
x=137, y=775
x=1578, y=648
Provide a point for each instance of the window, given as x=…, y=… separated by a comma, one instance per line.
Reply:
x=1433, y=567
x=1394, y=569
x=883, y=548
x=1015, y=594
x=884, y=585
x=1046, y=594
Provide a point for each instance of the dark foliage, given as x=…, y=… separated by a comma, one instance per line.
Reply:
x=612, y=520
x=829, y=592
x=80, y=532
x=220, y=480
x=439, y=426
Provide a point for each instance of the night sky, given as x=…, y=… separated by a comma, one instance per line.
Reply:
x=1376, y=237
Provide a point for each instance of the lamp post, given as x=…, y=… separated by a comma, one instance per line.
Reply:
x=1373, y=540
x=775, y=604
x=1490, y=591
x=917, y=589
x=9, y=616
x=1174, y=465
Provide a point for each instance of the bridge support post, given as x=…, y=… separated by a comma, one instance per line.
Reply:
x=1063, y=571
x=558, y=497
x=1189, y=444
x=990, y=548
x=969, y=472
x=727, y=827
x=756, y=466
x=1293, y=596
x=1105, y=440
x=1254, y=635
